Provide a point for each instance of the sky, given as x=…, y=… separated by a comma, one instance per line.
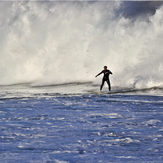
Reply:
x=135, y=8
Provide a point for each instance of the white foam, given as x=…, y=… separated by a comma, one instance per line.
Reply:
x=58, y=161
x=153, y=121
x=126, y=140
x=54, y=43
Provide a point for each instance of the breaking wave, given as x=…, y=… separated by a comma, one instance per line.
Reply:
x=46, y=43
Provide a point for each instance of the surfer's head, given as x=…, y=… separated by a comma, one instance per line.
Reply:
x=105, y=67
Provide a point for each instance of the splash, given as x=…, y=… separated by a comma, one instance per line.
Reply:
x=46, y=43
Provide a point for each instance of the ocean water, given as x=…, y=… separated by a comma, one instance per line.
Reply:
x=45, y=125
x=50, y=52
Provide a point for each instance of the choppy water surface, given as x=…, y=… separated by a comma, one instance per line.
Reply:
x=83, y=127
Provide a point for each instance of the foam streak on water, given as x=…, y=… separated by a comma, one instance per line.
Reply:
x=82, y=127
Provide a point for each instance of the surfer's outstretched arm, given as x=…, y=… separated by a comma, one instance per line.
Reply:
x=99, y=74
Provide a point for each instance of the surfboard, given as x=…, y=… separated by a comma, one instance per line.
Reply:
x=103, y=93
x=111, y=92
x=94, y=92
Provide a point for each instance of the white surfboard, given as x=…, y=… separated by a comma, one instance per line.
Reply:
x=98, y=93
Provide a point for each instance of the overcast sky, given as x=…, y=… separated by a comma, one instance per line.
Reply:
x=135, y=8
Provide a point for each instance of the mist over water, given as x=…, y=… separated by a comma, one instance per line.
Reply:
x=46, y=43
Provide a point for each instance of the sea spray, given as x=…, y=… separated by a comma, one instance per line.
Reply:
x=46, y=43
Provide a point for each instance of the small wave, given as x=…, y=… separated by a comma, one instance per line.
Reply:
x=62, y=84
x=135, y=90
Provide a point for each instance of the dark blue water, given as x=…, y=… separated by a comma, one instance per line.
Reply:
x=40, y=127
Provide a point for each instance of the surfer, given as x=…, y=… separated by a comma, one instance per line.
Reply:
x=105, y=77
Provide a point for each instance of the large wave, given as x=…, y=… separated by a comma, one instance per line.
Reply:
x=63, y=42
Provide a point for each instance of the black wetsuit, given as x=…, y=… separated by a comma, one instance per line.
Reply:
x=105, y=78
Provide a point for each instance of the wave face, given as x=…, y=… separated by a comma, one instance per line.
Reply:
x=63, y=42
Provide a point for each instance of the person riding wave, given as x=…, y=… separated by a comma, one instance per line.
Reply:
x=106, y=73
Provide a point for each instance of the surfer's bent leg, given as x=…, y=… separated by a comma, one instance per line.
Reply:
x=102, y=84
x=108, y=81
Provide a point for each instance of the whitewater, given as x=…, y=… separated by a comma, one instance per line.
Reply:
x=45, y=43
x=49, y=56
